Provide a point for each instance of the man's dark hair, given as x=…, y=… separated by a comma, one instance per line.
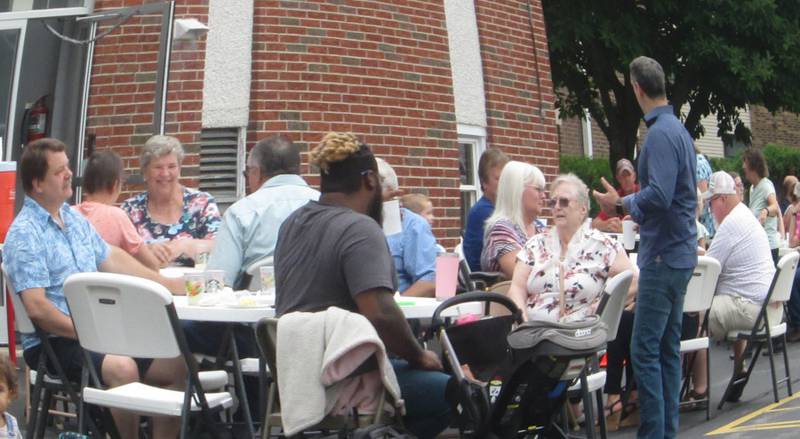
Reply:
x=490, y=159
x=276, y=155
x=342, y=161
x=8, y=374
x=33, y=163
x=755, y=161
x=103, y=171
x=648, y=73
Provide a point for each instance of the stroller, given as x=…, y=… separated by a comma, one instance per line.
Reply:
x=520, y=373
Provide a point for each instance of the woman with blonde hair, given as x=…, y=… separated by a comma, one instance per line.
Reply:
x=520, y=195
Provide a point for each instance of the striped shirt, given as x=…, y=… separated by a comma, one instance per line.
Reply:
x=742, y=249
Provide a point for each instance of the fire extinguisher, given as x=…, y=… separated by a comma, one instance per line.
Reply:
x=35, y=121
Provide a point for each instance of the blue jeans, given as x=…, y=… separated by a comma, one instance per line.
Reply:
x=794, y=302
x=427, y=410
x=655, y=347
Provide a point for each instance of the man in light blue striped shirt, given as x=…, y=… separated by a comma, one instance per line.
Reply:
x=250, y=226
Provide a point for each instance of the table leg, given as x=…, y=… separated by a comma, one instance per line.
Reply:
x=238, y=381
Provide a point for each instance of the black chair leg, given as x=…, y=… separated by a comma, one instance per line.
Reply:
x=588, y=409
x=601, y=414
x=41, y=420
x=36, y=397
x=772, y=369
x=786, y=365
x=708, y=384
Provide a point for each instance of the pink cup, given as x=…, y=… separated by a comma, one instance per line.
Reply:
x=446, y=275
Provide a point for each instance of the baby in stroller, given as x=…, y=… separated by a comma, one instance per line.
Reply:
x=517, y=374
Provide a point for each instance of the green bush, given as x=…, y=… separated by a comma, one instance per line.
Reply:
x=589, y=170
x=726, y=164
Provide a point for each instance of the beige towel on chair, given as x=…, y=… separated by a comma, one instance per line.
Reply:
x=315, y=352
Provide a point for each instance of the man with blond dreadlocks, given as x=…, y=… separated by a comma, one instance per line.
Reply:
x=334, y=253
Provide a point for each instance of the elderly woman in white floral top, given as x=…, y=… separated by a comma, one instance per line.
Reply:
x=561, y=272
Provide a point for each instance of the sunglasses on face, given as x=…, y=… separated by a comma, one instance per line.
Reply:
x=562, y=202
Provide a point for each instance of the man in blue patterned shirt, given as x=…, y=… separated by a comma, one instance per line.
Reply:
x=48, y=242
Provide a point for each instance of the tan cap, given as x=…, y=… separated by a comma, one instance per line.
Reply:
x=625, y=165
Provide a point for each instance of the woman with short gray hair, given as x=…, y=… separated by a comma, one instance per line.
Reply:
x=561, y=272
x=186, y=219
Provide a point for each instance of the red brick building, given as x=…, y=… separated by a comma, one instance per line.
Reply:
x=428, y=84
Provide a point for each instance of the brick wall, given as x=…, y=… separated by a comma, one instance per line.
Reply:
x=378, y=69
x=122, y=92
x=782, y=128
x=518, y=87
x=570, y=138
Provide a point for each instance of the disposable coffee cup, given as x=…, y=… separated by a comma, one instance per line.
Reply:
x=628, y=234
x=215, y=281
x=392, y=224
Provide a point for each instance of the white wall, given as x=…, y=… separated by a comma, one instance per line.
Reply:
x=465, y=61
x=229, y=45
x=710, y=144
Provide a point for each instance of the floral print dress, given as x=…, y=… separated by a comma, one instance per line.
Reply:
x=584, y=270
x=200, y=219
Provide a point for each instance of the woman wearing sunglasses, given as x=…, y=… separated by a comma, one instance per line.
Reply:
x=520, y=195
x=561, y=272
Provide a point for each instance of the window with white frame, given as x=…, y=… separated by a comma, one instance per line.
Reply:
x=471, y=144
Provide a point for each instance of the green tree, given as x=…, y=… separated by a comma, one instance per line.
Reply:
x=717, y=55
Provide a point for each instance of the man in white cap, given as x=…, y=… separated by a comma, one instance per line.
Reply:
x=742, y=249
x=626, y=177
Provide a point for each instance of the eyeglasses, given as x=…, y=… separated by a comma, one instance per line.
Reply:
x=562, y=202
x=246, y=171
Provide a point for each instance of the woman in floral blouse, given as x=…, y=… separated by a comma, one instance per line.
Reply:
x=520, y=195
x=169, y=212
x=561, y=273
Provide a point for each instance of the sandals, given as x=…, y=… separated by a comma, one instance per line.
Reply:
x=615, y=419
x=737, y=388
x=693, y=401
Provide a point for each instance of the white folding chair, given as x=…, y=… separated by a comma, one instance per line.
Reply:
x=764, y=331
x=48, y=376
x=699, y=295
x=592, y=381
x=129, y=316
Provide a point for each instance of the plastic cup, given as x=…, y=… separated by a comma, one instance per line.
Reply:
x=628, y=234
x=446, y=275
x=195, y=286
x=267, y=273
x=215, y=281
x=201, y=260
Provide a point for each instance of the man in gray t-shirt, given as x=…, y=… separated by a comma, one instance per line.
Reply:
x=333, y=253
x=327, y=255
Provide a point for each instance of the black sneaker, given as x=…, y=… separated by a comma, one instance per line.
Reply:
x=737, y=388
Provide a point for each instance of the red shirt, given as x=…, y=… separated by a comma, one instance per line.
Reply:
x=603, y=216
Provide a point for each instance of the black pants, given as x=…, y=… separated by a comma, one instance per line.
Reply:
x=619, y=351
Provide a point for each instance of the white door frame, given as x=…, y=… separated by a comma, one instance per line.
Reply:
x=7, y=145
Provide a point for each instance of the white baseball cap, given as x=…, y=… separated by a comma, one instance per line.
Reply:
x=721, y=183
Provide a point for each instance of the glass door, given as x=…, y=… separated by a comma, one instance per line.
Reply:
x=12, y=34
